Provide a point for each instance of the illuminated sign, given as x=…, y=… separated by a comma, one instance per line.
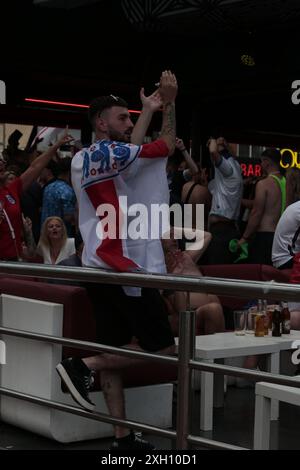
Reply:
x=2, y=92
x=289, y=158
x=251, y=169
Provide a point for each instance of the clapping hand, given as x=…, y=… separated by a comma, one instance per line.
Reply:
x=168, y=86
x=152, y=102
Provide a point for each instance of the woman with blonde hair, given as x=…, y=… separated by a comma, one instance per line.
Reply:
x=54, y=246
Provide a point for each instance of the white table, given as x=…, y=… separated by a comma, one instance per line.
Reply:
x=221, y=346
x=224, y=345
x=285, y=341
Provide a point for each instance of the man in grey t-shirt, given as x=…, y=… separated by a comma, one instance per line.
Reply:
x=226, y=189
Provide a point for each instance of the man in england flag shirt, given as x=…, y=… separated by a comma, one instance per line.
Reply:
x=113, y=171
x=117, y=166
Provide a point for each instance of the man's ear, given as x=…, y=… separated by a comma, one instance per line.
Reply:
x=101, y=124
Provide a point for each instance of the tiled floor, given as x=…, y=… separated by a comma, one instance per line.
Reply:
x=232, y=424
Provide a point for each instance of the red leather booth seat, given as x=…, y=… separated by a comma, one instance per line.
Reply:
x=254, y=272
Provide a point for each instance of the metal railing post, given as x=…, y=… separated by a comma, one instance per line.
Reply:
x=185, y=353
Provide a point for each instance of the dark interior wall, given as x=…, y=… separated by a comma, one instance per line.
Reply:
x=75, y=55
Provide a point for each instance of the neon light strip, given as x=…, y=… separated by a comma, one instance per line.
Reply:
x=62, y=103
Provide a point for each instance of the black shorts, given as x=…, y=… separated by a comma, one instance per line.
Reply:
x=218, y=249
x=120, y=317
x=260, y=248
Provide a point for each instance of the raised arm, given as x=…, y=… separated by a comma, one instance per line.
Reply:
x=218, y=160
x=32, y=173
x=199, y=246
x=199, y=240
x=168, y=91
x=190, y=162
x=213, y=151
x=151, y=104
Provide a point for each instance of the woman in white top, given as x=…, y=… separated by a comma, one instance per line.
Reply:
x=54, y=246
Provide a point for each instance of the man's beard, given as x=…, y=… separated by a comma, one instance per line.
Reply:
x=117, y=136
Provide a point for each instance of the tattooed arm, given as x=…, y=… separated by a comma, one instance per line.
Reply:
x=168, y=91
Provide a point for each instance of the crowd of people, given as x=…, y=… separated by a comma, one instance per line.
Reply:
x=49, y=212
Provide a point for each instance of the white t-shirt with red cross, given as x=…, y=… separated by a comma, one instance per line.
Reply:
x=103, y=173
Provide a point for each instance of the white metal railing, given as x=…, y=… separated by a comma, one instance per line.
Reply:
x=186, y=357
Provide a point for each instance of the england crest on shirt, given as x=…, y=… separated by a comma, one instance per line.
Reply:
x=105, y=160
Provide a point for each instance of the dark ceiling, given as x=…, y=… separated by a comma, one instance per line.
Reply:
x=75, y=50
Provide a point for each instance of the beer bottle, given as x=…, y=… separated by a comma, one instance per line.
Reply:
x=266, y=318
x=285, y=319
x=276, y=322
x=259, y=321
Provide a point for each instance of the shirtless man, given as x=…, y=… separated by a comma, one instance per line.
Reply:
x=269, y=203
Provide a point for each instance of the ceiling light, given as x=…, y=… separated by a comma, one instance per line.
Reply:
x=248, y=60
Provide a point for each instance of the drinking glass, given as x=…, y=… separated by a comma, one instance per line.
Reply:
x=239, y=318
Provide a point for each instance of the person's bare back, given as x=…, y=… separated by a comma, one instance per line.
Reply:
x=272, y=204
x=268, y=204
x=199, y=195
